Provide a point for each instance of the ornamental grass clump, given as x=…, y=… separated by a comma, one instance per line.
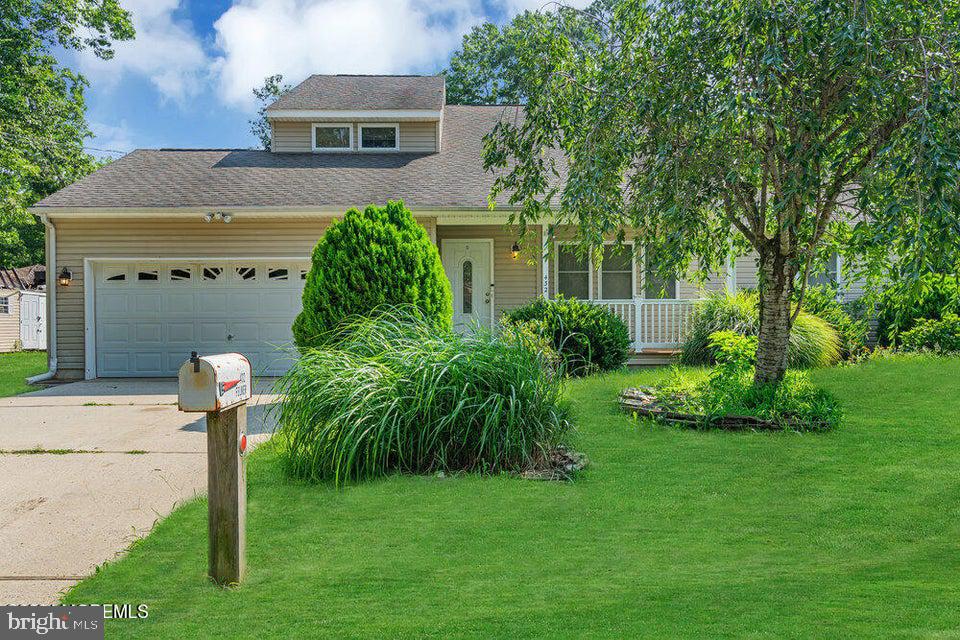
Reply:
x=813, y=341
x=391, y=393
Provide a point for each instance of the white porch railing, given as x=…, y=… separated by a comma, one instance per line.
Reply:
x=653, y=324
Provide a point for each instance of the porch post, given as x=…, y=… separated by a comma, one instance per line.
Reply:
x=545, y=262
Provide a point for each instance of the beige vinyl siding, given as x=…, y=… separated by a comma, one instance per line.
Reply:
x=291, y=137
x=155, y=238
x=515, y=281
x=10, y=322
x=295, y=137
x=418, y=137
x=746, y=267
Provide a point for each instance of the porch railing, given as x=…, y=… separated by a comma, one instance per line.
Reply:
x=653, y=324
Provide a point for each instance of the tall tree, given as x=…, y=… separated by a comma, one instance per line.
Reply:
x=266, y=95
x=485, y=69
x=42, y=125
x=790, y=126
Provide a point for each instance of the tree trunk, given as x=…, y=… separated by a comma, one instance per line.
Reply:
x=776, y=285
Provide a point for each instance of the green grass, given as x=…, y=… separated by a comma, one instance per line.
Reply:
x=670, y=533
x=16, y=367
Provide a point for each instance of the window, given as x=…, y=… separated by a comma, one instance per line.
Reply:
x=828, y=276
x=113, y=274
x=303, y=274
x=382, y=137
x=246, y=273
x=278, y=273
x=5, y=305
x=148, y=275
x=333, y=136
x=467, y=287
x=180, y=274
x=655, y=287
x=573, y=273
x=212, y=273
x=616, y=273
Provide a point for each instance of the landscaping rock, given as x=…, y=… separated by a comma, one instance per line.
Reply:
x=560, y=464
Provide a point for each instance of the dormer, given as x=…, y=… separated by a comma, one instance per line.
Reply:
x=359, y=114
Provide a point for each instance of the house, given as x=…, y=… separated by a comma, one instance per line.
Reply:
x=169, y=251
x=23, y=307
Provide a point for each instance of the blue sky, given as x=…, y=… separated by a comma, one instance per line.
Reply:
x=186, y=80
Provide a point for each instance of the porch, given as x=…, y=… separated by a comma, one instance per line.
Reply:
x=656, y=325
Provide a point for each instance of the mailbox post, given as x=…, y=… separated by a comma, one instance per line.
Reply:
x=220, y=386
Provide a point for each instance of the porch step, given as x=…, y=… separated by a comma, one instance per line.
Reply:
x=651, y=357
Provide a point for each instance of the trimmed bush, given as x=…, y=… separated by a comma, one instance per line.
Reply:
x=941, y=336
x=813, y=342
x=822, y=302
x=392, y=393
x=588, y=337
x=898, y=311
x=370, y=258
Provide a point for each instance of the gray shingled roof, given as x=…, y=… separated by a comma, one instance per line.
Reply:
x=454, y=177
x=349, y=93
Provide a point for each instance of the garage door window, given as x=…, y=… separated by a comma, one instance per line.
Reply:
x=278, y=273
x=246, y=273
x=181, y=274
x=212, y=273
x=148, y=275
x=114, y=275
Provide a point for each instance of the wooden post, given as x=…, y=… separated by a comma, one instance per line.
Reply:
x=227, y=494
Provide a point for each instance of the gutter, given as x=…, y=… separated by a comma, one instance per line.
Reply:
x=51, y=303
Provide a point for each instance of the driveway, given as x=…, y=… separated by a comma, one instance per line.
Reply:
x=89, y=467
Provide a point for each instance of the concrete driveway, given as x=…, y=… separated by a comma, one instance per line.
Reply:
x=86, y=468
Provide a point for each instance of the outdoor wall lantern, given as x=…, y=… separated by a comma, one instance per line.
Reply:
x=64, y=278
x=515, y=250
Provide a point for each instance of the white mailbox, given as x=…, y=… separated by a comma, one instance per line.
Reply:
x=214, y=383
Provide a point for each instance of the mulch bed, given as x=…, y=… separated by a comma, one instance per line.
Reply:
x=641, y=401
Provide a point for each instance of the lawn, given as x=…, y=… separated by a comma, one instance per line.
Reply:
x=669, y=534
x=16, y=367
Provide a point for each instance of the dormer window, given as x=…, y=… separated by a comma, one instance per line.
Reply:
x=380, y=137
x=333, y=136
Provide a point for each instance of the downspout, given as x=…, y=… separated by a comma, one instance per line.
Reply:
x=51, y=241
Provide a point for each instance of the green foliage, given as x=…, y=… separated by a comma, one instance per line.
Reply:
x=729, y=390
x=268, y=93
x=822, y=302
x=813, y=342
x=694, y=121
x=42, y=125
x=533, y=335
x=942, y=336
x=899, y=307
x=588, y=337
x=394, y=393
x=377, y=256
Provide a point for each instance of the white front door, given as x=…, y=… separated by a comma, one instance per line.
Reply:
x=33, y=320
x=469, y=267
x=150, y=316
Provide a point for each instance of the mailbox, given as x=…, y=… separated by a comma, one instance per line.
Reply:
x=214, y=383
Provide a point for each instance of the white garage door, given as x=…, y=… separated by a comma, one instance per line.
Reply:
x=149, y=317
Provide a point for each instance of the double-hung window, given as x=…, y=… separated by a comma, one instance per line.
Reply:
x=379, y=136
x=656, y=287
x=333, y=136
x=4, y=305
x=616, y=272
x=828, y=276
x=573, y=272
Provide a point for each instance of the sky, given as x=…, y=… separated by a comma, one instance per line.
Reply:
x=187, y=78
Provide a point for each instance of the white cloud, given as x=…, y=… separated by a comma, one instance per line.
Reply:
x=111, y=138
x=165, y=51
x=300, y=37
x=512, y=7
